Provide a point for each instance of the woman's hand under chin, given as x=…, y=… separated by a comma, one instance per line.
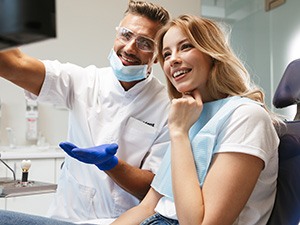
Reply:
x=185, y=111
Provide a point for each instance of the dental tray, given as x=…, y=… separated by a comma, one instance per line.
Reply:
x=11, y=188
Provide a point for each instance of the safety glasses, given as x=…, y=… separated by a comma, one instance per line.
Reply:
x=143, y=43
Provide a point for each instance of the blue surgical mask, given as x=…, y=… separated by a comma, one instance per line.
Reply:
x=127, y=73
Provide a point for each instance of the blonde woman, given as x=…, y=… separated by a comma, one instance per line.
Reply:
x=221, y=166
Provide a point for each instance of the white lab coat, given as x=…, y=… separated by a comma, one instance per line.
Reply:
x=100, y=112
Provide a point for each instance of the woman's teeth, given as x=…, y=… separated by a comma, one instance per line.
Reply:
x=179, y=73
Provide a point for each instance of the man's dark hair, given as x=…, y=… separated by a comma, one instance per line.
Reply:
x=151, y=11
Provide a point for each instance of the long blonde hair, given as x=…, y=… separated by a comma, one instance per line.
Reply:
x=228, y=76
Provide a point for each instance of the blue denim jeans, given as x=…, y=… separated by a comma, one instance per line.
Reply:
x=16, y=218
x=158, y=219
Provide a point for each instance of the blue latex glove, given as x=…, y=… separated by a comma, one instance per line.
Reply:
x=68, y=147
x=103, y=156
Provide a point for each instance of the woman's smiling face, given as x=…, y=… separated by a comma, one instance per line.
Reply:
x=185, y=66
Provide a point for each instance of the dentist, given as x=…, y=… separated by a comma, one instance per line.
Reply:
x=122, y=109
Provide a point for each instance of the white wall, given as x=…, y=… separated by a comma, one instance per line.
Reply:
x=85, y=33
x=271, y=41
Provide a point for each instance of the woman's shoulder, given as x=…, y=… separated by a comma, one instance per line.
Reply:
x=252, y=109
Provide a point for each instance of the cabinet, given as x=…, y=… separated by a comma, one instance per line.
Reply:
x=45, y=167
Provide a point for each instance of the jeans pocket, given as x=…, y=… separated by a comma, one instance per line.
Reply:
x=158, y=219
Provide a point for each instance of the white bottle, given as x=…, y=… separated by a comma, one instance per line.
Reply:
x=31, y=120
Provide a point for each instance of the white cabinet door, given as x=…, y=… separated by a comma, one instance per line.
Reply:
x=31, y=204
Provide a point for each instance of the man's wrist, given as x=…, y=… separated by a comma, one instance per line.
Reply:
x=109, y=164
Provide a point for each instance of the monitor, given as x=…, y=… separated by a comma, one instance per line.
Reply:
x=26, y=21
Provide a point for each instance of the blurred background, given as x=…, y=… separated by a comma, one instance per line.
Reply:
x=266, y=39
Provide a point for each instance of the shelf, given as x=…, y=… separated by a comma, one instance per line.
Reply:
x=31, y=153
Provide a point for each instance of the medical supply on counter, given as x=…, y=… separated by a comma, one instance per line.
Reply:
x=31, y=115
x=11, y=137
x=25, y=165
x=13, y=187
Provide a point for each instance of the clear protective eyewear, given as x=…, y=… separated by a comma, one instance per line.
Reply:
x=143, y=43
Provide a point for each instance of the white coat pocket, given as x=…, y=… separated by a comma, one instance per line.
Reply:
x=136, y=141
x=79, y=206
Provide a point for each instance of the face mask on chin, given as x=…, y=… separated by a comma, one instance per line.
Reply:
x=127, y=73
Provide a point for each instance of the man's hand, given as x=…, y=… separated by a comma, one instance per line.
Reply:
x=103, y=156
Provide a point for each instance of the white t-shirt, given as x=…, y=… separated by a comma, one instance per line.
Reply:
x=101, y=112
x=248, y=130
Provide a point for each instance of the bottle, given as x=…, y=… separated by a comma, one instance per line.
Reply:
x=31, y=120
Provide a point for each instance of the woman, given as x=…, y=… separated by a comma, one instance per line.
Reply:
x=221, y=167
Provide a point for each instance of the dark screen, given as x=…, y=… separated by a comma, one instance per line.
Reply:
x=26, y=21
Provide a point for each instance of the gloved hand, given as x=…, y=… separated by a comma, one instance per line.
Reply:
x=103, y=156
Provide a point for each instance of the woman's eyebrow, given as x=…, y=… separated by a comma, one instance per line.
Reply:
x=179, y=43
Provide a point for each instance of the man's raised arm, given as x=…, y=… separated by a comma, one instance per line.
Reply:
x=22, y=70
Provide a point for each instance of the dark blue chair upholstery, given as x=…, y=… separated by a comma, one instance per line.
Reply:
x=288, y=90
x=286, y=210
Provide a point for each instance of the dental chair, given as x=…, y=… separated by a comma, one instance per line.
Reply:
x=286, y=210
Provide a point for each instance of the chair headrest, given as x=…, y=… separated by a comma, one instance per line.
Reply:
x=288, y=90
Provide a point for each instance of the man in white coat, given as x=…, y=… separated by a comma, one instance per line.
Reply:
x=123, y=106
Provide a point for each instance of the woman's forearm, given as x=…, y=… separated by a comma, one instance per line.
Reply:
x=186, y=187
x=139, y=213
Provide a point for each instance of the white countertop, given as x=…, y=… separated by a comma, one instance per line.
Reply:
x=31, y=152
